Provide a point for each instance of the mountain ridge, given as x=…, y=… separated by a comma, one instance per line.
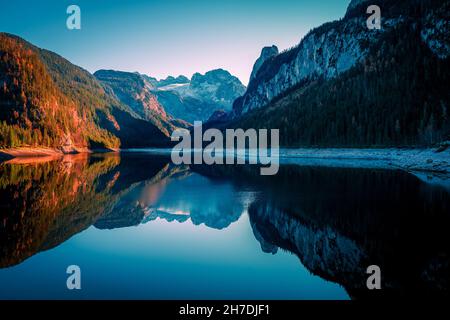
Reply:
x=327, y=51
x=49, y=102
x=183, y=99
x=333, y=89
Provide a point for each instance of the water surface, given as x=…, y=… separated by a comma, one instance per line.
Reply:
x=141, y=228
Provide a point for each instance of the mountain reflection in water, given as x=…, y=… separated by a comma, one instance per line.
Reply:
x=337, y=221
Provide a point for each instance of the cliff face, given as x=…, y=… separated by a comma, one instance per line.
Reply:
x=347, y=86
x=266, y=54
x=334, y=48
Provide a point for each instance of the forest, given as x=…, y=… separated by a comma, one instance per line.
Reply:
x=398, y=96
x=45, y=101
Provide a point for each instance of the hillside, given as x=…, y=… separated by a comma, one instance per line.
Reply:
x=46, y=101
x=345, y=85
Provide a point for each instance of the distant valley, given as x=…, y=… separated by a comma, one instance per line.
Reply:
x=180, y=98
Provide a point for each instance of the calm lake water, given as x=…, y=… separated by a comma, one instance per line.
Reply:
x=140, y=227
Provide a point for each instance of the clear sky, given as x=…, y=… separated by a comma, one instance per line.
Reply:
x=167, y=37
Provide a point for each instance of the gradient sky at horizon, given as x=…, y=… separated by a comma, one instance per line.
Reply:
x=168, y=37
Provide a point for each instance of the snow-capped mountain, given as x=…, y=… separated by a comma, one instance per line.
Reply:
x=197, y=99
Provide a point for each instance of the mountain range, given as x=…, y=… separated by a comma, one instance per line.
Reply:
x=342, y=85
x=46, y=101
x=180, y=98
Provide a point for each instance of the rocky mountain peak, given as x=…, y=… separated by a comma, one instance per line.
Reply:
x=212, y=77
x=266, y=54
x=197, y=99
x=170, y=80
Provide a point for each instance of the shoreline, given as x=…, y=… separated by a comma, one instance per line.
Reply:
x=413, y=159
x=30, y=152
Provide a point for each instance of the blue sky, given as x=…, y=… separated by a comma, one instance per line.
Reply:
x=167, y=37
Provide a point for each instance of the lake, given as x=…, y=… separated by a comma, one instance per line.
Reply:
x=140, y=227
